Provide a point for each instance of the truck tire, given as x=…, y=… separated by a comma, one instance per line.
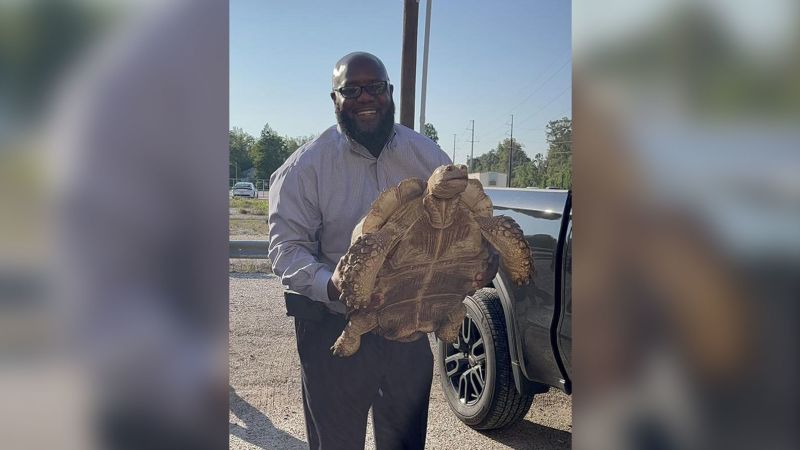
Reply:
x=476, y=372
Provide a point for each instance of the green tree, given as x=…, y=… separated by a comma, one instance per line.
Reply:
x=558, y=170
x=524, y=175
x=293, y=143
x=530, y=173
x=487, y=162
x=518, y=159
x=268, y=152
x=496, y=160
x=239, y=143
x=430, y=131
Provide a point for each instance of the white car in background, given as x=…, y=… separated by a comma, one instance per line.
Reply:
x=245, y=189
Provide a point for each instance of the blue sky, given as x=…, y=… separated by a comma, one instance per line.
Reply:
x=488, y=59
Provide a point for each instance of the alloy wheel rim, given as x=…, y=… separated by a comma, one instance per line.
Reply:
x=465, y=364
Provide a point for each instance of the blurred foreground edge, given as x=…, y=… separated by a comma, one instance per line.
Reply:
x=136, y=290
x=687, y=211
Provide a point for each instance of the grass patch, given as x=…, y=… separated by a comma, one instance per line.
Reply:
x=249, y=266
x=255, y=206
x=256, y=227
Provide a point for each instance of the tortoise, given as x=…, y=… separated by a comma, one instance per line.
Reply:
x=418, y=252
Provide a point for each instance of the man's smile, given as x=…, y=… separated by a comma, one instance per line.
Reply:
x=367, y=113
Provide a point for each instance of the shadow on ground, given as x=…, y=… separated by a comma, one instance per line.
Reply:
x=258, y=429
x=529, y=435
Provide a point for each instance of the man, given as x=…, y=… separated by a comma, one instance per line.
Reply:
x=316, y=198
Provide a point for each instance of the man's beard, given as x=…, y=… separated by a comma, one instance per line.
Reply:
x=369, y=139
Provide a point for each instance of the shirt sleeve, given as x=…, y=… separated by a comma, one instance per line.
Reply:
x=294, y=224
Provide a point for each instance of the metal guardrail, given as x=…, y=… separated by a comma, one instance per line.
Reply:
x=248, y=249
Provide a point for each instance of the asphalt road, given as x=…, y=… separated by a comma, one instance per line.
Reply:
x=265, y=405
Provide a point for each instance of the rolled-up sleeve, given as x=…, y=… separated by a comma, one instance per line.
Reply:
x=294, y=224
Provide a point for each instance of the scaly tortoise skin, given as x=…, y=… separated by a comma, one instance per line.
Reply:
x=418, y=252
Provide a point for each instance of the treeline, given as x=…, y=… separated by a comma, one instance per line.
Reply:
x=266, y=153
x=551, y=170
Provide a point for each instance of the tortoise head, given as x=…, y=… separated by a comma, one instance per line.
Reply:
x=448, y=181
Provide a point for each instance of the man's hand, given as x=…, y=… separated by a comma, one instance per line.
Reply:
x=333, y=292
x=335, y=284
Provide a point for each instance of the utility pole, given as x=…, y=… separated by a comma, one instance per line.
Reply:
x=425, y=66
x=408, y=76
x=472, y=148
x=454, y=149
x=510, y=153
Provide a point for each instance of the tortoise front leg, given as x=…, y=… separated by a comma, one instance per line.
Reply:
x=507, y=237
x=451, y=326
x=350, y=339
x=359, y=267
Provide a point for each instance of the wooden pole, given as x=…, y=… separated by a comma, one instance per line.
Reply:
x=408, y=76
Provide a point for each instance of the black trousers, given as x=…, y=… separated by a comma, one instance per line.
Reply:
x=394, y=378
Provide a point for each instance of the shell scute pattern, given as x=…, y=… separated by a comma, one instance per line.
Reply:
x=419, y=251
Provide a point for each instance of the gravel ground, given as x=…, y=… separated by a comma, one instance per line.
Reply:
x=265, y=404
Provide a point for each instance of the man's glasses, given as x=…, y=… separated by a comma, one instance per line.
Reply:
x=355, y=91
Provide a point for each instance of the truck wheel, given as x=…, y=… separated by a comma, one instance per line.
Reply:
x=476, y=370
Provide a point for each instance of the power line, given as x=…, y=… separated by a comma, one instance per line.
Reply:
x=541, y=85
x=549, y=103
x=537, y=87
x=535, y=80
x=544, y=107
x=564, y=114
x=544, y=127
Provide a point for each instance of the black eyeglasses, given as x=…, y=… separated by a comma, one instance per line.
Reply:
x=355, y=91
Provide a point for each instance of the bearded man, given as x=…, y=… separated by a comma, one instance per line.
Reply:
x=315, y=200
